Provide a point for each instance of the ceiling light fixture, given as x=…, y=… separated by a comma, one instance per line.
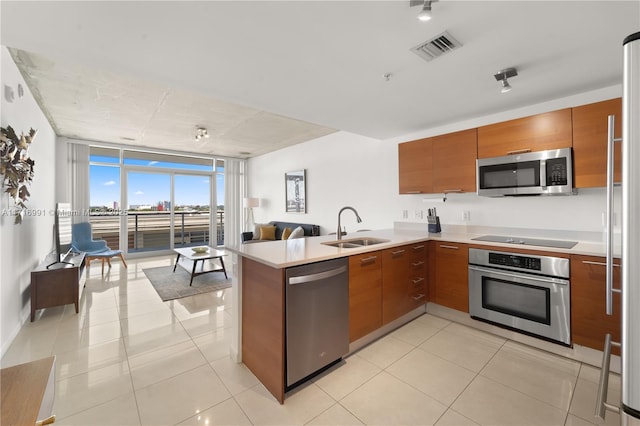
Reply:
x=502, y=77
x=201, y=132
x=425, y=14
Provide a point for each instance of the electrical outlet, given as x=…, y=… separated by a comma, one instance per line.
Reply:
x=405, y=214
x=466, y=215
x=418, y=214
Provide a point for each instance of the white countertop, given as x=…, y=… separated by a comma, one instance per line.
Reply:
x=299, y=251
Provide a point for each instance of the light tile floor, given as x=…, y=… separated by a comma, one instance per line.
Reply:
x=128, y=358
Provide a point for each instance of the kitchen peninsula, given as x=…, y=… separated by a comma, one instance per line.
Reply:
x=259, y=340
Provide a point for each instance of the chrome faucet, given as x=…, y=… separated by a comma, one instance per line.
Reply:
x=340, y=212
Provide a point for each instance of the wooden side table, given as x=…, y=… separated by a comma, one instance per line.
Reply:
x=55, y=287
x=28, y=392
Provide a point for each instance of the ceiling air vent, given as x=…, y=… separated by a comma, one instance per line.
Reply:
x=438, y=46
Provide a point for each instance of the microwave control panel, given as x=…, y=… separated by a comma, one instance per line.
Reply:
x=557, y=171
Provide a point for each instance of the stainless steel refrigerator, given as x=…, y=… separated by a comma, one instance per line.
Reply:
x=630, y=337
x=629, y=406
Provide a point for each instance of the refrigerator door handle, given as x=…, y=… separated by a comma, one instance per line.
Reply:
x=611, y=140
x=603, y=386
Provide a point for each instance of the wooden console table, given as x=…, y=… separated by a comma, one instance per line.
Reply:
x=28, y=392
x=61, y=284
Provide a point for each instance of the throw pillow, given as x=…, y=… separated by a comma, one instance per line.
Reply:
x=297, y=233
x=267, y=232
x=256, y=230
x=286, y=233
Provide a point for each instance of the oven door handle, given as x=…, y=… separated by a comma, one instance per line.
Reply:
x=546, y=280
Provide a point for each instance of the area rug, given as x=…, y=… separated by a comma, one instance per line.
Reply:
x=174, y=285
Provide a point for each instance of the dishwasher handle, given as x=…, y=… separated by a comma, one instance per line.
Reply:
x=317, y=276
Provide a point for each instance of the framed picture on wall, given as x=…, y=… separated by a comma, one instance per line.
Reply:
x=296, y=191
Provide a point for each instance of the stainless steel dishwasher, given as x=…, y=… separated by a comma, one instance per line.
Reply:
x=317, y=317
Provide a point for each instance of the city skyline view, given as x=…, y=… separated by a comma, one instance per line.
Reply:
x=146, y=188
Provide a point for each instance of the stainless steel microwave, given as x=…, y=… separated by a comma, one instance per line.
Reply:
x=532, y=173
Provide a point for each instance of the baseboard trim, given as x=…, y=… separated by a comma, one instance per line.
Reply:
x=385, y=329
x=577, y=352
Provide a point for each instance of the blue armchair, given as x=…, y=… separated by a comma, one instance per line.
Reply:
x=82, y=241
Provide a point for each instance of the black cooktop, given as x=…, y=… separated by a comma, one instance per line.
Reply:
x=527, y=241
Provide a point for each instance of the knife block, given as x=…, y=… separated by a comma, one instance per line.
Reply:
x=434, y=224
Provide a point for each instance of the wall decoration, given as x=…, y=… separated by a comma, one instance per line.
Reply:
x=16, y=167
x=296, y=193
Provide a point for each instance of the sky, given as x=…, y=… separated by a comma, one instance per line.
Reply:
x=149, y=188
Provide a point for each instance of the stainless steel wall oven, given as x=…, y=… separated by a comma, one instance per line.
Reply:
x=527, y=293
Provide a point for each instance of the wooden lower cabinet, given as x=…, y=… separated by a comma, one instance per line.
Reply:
x=365, y=294
x=263, y=324
x=450, y=287
x=404, y=280
x=589, y=321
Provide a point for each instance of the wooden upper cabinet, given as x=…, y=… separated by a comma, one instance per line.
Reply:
x=438, y=164
x=590, y=127
x=454, y=161
x=414, y=165
x=551, y=130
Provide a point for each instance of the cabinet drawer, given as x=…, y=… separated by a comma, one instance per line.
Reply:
x=417, y=298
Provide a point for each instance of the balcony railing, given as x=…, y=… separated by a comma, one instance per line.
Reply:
x=147, y=231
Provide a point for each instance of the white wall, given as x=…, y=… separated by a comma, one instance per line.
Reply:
x=348, y=169
x=23, y=246
x=343, y=169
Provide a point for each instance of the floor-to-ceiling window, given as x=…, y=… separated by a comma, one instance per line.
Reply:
x=104, y=194
x=219, y=194
x=192, y=211
x=162, y=200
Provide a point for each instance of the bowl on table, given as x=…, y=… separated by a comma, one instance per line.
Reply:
x=200, y=249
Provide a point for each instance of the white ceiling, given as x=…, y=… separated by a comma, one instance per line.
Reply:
x=267, y=74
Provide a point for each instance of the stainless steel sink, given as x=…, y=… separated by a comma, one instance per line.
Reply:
x=356, y=242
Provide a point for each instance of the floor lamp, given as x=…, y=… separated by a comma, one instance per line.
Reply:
x=249, y=204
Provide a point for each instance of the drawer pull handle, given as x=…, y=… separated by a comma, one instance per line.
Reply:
x=420, y=247
x=601, y=403
x=418, y=297
x=413, y=192
x=418, y=280
x=369, y=259
x=397, y=252
x=449, y=247
x=588, y=262
x=419, y=263
x=519, y=151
